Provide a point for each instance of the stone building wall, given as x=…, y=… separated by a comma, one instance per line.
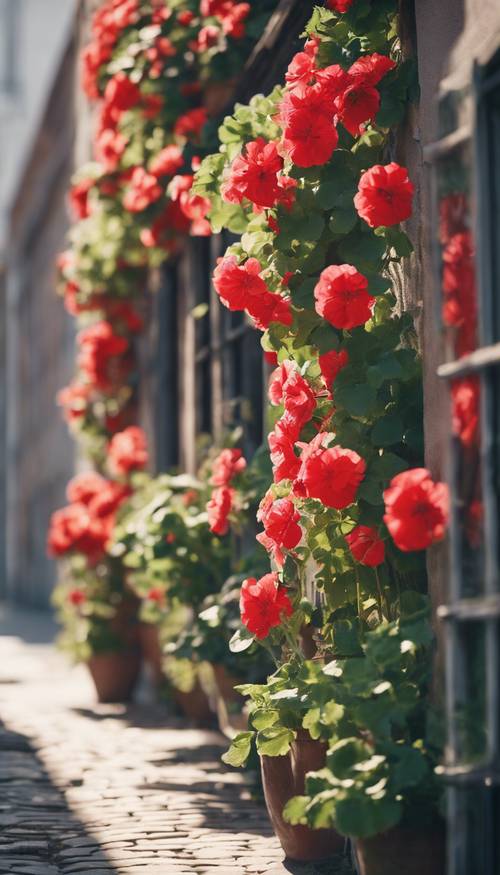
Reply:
x=39, y=349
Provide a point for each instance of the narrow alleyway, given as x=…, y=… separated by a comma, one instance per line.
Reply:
x=107, y=789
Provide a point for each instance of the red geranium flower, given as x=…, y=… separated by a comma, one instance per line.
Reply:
x=280, y=520
x=263, y=604
x=342, y=296
x=99, y=346
x=309, y=133
x=219, y=508
x=269, y=308
x=109, y=148
x=356, y=105
x=416, y=509
x=120, y=94
x=74, y=399
x=331, y=475
x=84, y=487
x=237, y=284
x=299, y=401
x=128, y=451
x=76, y=597
x=167, y=162
x=285, y=463
x=227, y=465
x=190, y=123
x=465, y=405
x=331, y=363
x=340, y=5
x=254, y=175
x=384, y=195
x=144, y=190
x=366, y=546
x=78, y=198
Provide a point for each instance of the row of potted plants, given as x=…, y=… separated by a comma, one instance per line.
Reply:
x=156, y=74
x=344, y=726
x=305, y=177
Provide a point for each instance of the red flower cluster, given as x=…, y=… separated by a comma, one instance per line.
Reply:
x=100, y=349
x=107, y=24
x=190, y=124
x=226, y=466
x=330, y=474
x=384, y=195
x=256, y=175
x=86, y=525
x=74, y=399
x=280, y=520
x=342, y=297
x=287, y=386
x=263, y=604
x=416, y=509
x=465, y=410
x=281, y=446
x=128, y=451
x=366, y=546
x=230, y=14
x=79, y=198
x=340, y=5
x=459, y=273
x=240, y=287
x=318, y=98
x=143, y=191
x=219, y=508
x=167, y=162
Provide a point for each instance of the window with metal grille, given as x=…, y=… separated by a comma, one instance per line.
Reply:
x=221, y=369
x=466, y=183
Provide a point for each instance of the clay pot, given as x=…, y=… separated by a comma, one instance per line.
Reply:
x=151, y=651
x=115, y=674
x=231, y=721
x=217, y=96
x=195, y=705
x=412, y=851
x=284, y=777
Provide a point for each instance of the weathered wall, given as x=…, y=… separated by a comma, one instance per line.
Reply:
x=39, y=349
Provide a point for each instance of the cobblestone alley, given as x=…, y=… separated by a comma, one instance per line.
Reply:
x=105, y=789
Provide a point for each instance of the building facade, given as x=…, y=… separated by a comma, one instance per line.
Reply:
x=201, y=368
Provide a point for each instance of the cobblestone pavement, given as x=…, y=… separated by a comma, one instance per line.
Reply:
x=103, y=789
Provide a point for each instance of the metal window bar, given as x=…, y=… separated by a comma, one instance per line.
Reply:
x=476, y=850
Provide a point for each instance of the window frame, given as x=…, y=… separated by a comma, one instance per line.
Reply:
x=477, y=779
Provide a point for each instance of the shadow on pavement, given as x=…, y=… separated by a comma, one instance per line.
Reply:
x=39, y=834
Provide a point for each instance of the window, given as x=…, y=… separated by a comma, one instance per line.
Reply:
x=467, y=195
x=220, y=359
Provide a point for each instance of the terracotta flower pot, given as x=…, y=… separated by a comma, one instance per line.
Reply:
x=231, y=720
x=412, y=851
x=195, y=705
x=284, y=777
x=115, y=674
x=151, y=651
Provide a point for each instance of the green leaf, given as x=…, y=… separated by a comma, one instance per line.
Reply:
x=295, y=810
x=264, y=718
x=274, y=742
x=343, y=220
x=241, y=640
x=358, y=400
x=387, y=431
x=362, y=817
x=239, y=751
x=345, y=754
